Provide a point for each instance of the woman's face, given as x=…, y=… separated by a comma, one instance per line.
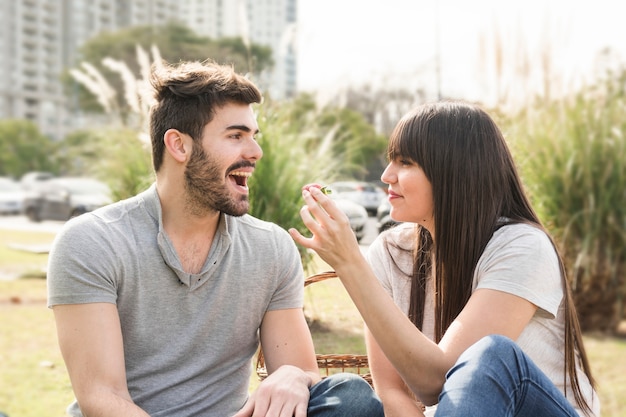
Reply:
x=410, y=193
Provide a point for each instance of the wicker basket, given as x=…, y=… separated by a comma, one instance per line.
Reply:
x=327, y=363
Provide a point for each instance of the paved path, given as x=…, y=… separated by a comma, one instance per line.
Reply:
x=22, y=223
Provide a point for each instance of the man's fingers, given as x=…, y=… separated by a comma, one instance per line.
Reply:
x=301, y=410
x=247, y=409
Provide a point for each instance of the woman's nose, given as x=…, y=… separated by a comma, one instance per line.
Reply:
x=388, y=176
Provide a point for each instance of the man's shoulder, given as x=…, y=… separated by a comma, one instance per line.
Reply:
x=111, y=219
x=253, y=229
x=247, y=221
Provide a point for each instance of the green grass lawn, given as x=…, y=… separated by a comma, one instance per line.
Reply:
x=16, y=262
x=34, y=383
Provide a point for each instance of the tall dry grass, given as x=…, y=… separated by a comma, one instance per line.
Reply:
x=572, y=153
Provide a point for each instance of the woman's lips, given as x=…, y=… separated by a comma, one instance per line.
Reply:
x=392, y=195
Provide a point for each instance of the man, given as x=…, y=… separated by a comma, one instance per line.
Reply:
x=160, y=300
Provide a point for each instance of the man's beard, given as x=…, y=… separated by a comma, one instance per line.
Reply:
x=206, y=188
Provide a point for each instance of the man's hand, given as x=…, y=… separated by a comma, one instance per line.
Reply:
x=284, y=393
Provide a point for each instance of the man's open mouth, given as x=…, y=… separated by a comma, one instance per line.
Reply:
x=241, y=177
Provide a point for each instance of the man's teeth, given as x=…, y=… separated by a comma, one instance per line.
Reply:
x=241, y=173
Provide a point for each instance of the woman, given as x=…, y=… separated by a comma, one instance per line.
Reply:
x=480, y=321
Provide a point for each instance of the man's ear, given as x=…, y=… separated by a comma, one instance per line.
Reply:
x=178, y=144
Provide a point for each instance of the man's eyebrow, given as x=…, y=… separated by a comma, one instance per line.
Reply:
x=241, y=127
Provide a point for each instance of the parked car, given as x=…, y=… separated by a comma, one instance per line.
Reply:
x=383, y=219
x=356, y=214
x=30, y=180
x=367, y=194
x=65, y=197
x=11, y=196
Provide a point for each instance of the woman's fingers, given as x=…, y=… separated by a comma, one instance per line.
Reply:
x=332, y=238
x=299, y=238
x=312, y=185
x=310, y=222
x=329, y=206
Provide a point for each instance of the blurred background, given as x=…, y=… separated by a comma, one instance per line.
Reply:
x=337, y=75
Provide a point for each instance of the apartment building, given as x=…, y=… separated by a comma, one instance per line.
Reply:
x=32, y=50
x=41, y=38
x=146, y=12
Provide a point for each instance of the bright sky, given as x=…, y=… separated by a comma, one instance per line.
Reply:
x=402, y=42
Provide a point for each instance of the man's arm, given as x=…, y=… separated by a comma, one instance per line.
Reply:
x=290, y=360
x=90, y=339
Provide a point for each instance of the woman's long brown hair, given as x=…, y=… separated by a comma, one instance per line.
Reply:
x=475, y=186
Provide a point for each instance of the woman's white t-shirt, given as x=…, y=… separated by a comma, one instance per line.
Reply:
x=520, y=260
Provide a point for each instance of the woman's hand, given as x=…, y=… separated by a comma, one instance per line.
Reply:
x=332, y=239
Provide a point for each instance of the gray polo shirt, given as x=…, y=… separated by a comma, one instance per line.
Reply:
x=188, y=338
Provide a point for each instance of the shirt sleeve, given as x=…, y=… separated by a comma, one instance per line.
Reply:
x=521, y=260
x=81, y=265
x=391, y=259
x=289, y=292
x=376, y=260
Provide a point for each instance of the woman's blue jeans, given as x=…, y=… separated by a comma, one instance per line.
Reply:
x=344, y=395
x=495, y=378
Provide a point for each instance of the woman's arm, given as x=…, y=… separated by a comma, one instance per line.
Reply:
x=422, y=363
x=397, y=398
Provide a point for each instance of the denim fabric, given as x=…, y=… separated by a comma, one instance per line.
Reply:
x=344, y=395
x=495, y=378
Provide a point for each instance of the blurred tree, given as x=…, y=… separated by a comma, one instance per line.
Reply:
x=371, y=113
x=381, y=107
x=175, y=43
x=125, y=163
x=24, y=148
x=77, y=152
x=354, y=141
x=115, y=156
x=360, y=148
